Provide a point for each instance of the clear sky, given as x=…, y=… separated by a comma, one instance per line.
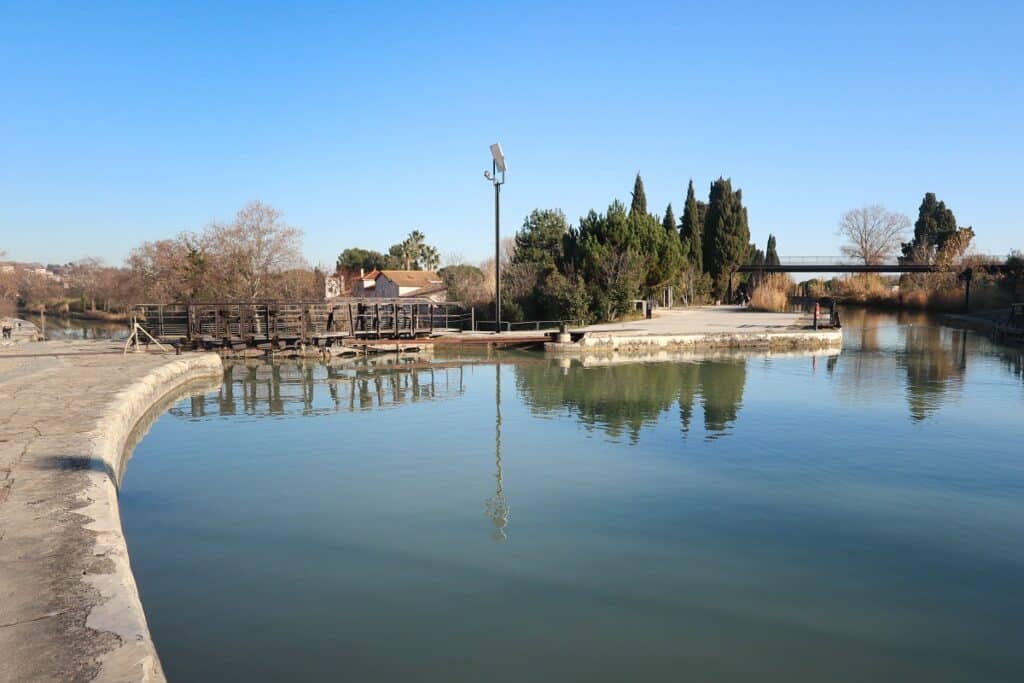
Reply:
x=127, y=122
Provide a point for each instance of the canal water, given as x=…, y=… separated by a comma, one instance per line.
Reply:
x=784, y=517
x=58, y=327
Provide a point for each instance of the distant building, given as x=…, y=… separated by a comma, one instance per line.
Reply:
x=365, y=284
x=333, y=286
x=425, y=284
x=55, y=273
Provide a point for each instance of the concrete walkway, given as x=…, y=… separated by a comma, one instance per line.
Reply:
x=69, y=608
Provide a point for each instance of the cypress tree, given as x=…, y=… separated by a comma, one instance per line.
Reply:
x=935, y=224
x=757, y=258
x=692, y=229
x=669, y=221
x=639, y=205
x=771, y=255
x=726, y=233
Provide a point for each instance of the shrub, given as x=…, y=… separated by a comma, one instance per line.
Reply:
x=772, y=294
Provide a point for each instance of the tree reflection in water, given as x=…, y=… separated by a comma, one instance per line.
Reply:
x=623, y=398
x=935, y=361
x=913, y=353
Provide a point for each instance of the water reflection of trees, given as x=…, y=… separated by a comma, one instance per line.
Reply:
x=935, y=360
x=881, y=348
x=313, y=388
x=622, y=399
x=1013, y=361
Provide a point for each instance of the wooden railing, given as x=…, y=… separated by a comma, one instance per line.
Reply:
x=289, y=323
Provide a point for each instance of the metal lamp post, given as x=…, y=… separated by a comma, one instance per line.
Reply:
x=497, y=166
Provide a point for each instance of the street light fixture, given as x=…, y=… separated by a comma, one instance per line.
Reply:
x=498, y=165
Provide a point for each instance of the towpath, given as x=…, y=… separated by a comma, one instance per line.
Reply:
x=69, y=607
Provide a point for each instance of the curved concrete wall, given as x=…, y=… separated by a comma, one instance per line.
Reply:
x=69, y=606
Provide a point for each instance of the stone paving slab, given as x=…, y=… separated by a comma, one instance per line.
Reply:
x=69, y=607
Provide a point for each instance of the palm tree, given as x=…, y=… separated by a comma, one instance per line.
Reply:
x=429, y=258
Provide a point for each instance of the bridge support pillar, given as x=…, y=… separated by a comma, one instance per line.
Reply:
x=967, y=276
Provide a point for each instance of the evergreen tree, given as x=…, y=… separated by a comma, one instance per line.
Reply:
x=669, y=221
x=639, y=205
x=354, y=258
x=726, y=234
x=935, y=224
x=660, y=249
x=540, y=241
x=771, y=255
x=610, y=261
x=757, y=258
x=691, y=229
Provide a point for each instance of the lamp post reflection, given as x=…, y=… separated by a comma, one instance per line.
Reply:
x=496, y=506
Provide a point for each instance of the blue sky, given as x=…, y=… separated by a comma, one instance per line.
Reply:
x=121, y=123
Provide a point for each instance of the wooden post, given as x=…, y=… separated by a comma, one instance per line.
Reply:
x=472, y=318
x=376, y=315
x=351, y=322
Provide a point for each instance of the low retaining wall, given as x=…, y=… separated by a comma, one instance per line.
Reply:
x=775, y=341
x=69, y=606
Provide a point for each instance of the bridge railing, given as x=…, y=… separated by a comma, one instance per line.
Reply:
x=256, y=322
x=841, y=260
x=830, y=260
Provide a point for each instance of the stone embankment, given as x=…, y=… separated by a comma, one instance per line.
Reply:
x=69, y=414
x=702, y=329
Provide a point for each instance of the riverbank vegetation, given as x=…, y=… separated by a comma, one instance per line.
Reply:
x=595, y=269
x=875, y=235
x=598, y=268
x=257, y=255
x=772, y=293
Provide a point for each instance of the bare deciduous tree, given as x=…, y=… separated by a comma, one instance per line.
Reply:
x=38, y=290
x=253, y=249
x=255, y=256
x=873, y=233
x=162, y=271
x=83, y=276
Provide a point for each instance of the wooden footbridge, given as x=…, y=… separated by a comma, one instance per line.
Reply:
x=280, y=326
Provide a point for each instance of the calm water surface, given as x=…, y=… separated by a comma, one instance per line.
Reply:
x=790, y=518
x=57, y=327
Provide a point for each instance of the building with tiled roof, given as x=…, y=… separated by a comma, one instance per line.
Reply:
x=398, y=283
